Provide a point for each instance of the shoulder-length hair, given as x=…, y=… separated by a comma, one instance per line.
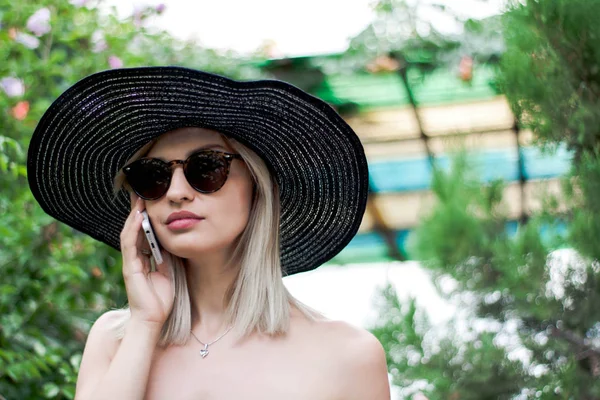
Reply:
x=257, y=300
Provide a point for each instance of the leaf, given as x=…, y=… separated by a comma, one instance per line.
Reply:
x=50, y=390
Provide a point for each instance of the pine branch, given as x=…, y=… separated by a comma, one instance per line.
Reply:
x=582, y=350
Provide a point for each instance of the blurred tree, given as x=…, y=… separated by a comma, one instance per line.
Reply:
x=542, y=278
x=552, y=71
x=56, y=281
x=404, y=30
x=458, y=364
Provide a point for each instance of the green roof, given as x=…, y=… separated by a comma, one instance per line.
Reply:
x=386, y=89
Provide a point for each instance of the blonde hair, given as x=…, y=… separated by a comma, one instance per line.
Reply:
x=257, y=300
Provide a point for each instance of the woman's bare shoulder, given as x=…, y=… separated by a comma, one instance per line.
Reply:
x=335, y=335
x=340, y=335
x=100, y=347
x=326, y=328
x=111, y=320
x=106, y=329
x=356, y=356
x=114, y=316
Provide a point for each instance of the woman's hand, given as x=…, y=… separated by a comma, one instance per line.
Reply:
x=150, y=294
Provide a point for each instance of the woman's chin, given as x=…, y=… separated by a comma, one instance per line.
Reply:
x=191, y=249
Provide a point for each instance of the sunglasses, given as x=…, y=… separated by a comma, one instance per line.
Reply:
x=206, y=171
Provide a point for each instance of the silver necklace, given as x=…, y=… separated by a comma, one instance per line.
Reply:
x=204, y=351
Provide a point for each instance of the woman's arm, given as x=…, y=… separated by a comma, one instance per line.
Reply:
x=112, y=370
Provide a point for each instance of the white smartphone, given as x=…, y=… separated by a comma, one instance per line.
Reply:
x=151, y=238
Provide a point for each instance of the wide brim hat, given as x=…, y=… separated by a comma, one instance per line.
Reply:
x=87, y=134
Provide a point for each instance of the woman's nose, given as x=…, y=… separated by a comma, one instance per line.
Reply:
x=179, y=189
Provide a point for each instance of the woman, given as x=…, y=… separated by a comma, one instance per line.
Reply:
x=269, y=181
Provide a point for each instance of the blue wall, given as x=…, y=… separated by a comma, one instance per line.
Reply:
x=415, y=174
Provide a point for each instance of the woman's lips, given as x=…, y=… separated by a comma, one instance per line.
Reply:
x=183, y=223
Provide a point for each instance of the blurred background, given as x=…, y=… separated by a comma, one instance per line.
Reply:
x=476, y=264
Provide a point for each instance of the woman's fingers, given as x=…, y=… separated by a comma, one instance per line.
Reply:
x=130, y=238
x=126, y=238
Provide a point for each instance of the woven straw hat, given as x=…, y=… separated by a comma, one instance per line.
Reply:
x=88, y=133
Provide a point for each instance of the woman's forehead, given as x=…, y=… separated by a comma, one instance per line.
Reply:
x=181, y=141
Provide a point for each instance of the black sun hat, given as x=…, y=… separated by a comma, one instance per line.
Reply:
x=86, y=136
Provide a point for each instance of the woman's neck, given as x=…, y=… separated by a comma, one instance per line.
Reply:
x=209, y=283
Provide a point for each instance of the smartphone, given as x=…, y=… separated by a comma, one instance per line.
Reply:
x=151, y=238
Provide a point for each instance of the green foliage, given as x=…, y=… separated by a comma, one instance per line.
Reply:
x=408, y=32
x=583, y=192
x=443, y=366
x=56, y=281
x=397, y=30
x=551, y=70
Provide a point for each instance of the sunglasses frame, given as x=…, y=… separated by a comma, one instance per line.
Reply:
x=227, y=157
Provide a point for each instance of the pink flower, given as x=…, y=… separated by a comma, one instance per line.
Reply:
x=39, y=22
x=138, y=15
x=13, y=87
x=27, y=40
x=115, y=62
x=160, y=8
x=98, y=42
x=21, y=110
x=79, y=3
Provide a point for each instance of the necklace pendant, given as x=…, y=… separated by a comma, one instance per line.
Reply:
x=204, y=351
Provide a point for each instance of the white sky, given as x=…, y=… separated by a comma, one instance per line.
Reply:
x=298, y=27
x=347, y=292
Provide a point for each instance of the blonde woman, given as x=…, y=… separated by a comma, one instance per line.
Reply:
x=244, y=183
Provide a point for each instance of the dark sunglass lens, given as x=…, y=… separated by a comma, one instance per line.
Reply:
x=149, y=178
x=207, y=171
